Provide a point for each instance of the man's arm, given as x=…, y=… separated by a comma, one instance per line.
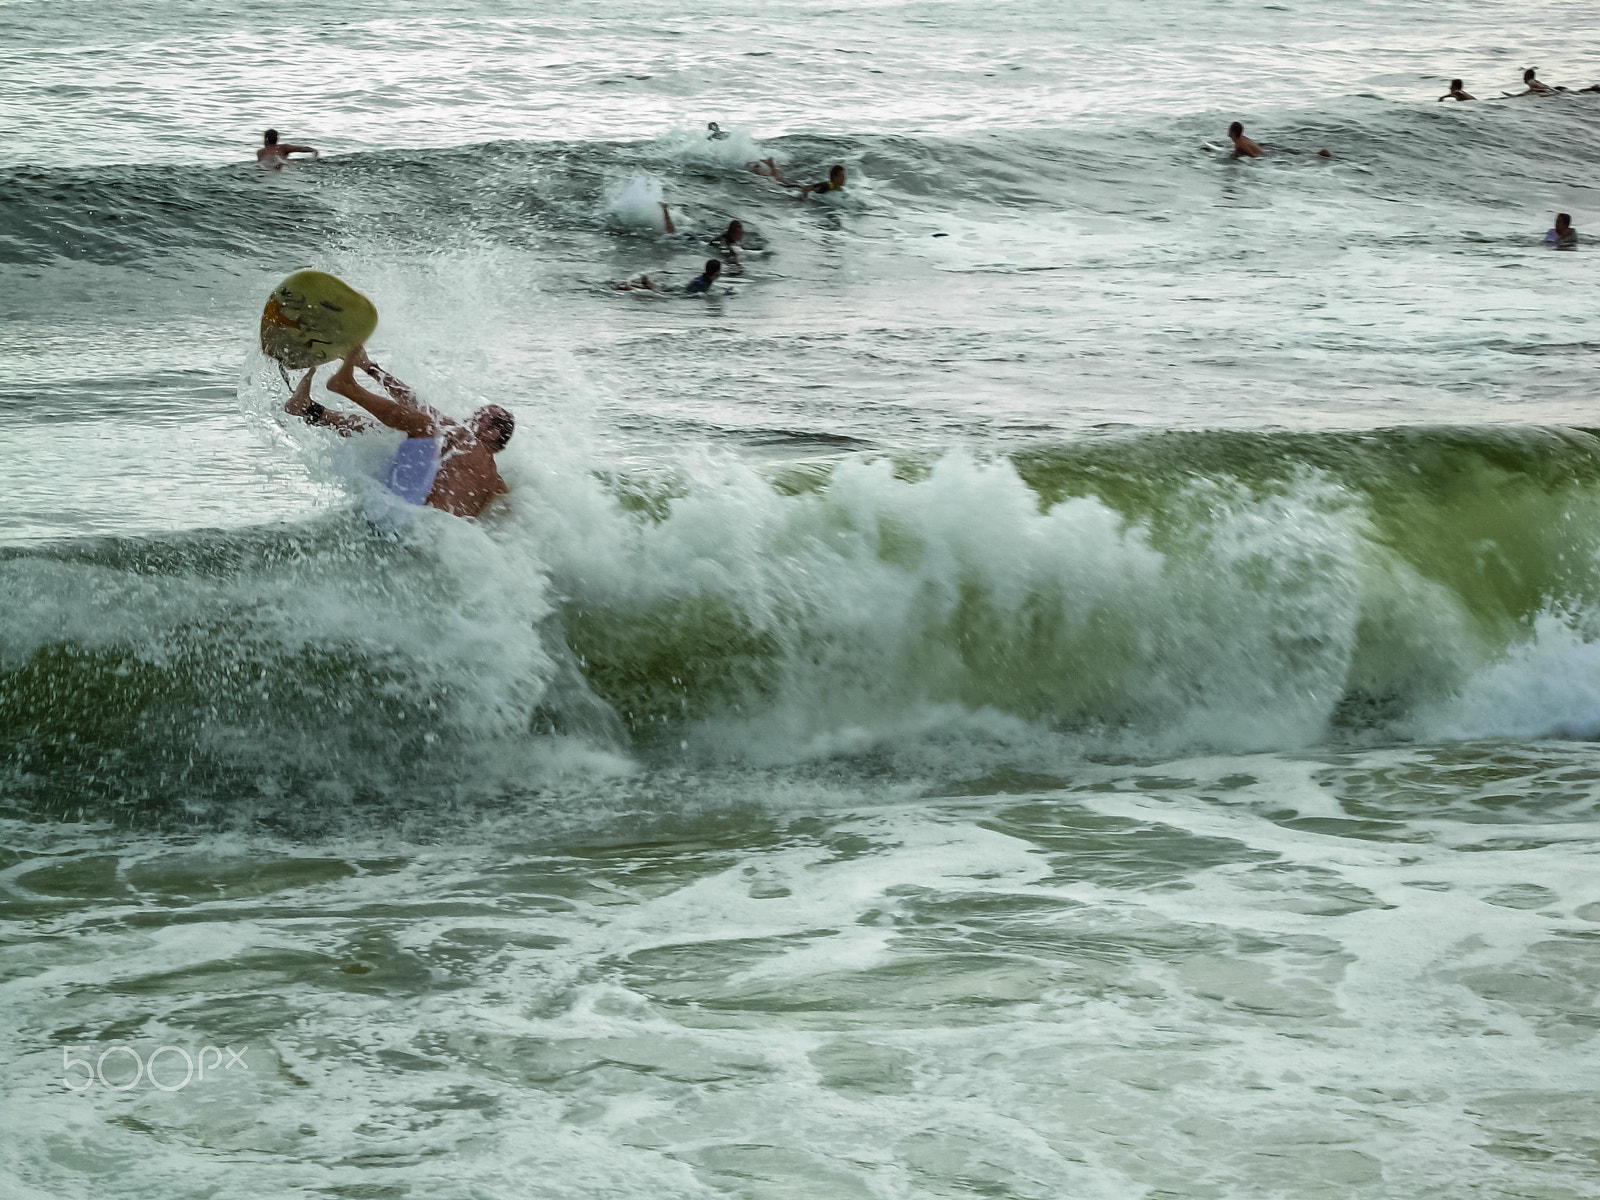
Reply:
x=666, y=216
x=299, y=149
x=302, y=405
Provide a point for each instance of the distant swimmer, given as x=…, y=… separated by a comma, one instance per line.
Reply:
x=731, y=239
x=702, y=282
x=1457, y=92
x=769, y=168
x=1243, y=147
x=835, y=183
x=1563, y=236
x=274, y=153
x=716, y=134
x=444, y=464
x=1535, y=87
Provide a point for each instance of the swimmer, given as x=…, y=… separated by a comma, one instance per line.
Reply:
x=444, y=464
x=716, y=134
x=1535, y=87
x=835, y=183
x=274, y=153
x=1243, y=147
x=769, y=167
x=1563, y=236
x=731, y=240
x=1457, y=92
x=702, y=282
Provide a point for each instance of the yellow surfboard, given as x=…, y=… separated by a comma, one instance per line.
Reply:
x=314, y=318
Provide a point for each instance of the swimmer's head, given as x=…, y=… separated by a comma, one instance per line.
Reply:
x=714, y=127
x=836, y=175
x=1563, y=222
x=713, y=269
x=1235, y=130
x=1527, y=76
x=734, y=234
x=1456, y=85
x=270, y=138
x=493, y=426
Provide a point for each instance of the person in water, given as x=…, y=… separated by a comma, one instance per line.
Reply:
x=716, y=133
x=731, y=239
x=274, y=153
x=702, y=282
x=1243, y=147
x=769, y=168
x=835, y=182
x=728, y=239
x=1535, y=87
x=1457, y=92
x=444, y=464
x=1563, y=236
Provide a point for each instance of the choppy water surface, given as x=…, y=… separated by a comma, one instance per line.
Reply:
x=1072, y=674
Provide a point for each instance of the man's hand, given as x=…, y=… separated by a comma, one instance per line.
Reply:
x=301, y=400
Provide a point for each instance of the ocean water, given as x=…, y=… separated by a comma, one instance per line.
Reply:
x=1073, y=673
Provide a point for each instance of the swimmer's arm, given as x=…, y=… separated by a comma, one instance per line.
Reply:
x=666, y=215
x=302, y=405
x=299, y=150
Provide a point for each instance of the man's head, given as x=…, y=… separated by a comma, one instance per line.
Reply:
x=1455, y=85
x=734, y=234
x=1527, y=76
x=1563, y=222
x=836, y=175
x=1235, y=130
x=713, y=269
x=493, y=426
x=270, y=138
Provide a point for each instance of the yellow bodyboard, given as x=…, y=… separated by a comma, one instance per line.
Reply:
x=314, y=318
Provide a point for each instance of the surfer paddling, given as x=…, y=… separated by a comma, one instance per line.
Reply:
x=1243, y=147
x=833, y=183
x=274, y=153
x=445, y=464
x=1457, y=91
x=1535, y=85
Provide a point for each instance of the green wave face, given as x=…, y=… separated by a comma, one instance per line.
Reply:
x=1145, y=594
